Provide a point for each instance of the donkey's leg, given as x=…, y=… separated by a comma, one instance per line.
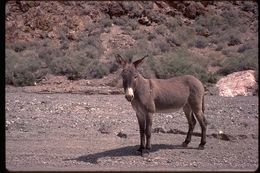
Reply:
x=203, y=124
x=148, y=129
x=141, y=122
x=191, y=121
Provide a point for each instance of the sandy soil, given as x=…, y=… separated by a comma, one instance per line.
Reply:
x=100, y=132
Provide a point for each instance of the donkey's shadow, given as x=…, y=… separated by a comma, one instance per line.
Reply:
x=124, y=151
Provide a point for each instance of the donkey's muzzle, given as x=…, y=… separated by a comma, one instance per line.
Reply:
x=129, y=94
x=129, y=98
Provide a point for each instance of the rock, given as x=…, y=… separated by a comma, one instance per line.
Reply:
x=193, y=10
x=105, y=129
x=144, y=21
x=241, y=83
x=115, y=9
x=159, y=130
x=190, y=12
x=122, y=135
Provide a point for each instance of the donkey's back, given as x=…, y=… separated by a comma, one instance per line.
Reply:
x=174, y=93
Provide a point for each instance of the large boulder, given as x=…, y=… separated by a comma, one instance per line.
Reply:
x=241, y=83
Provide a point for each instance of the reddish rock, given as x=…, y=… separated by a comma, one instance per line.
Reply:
x=241, y=83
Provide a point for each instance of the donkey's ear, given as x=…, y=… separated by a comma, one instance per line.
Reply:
x=120, y=60
x=139, y=62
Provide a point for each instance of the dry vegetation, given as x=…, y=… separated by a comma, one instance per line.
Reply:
x=66, y=38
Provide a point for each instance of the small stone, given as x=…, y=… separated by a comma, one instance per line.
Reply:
x=159, y=130
x=122, y=135
x=220, y=132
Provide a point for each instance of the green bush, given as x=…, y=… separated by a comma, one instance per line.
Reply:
x=173, y=41
x=233, y=40
x=247, y=60
x=76, y=65
x=162, y=45
x=173, y=23
x=212, y=23
x=133, y=8
x=23, y=68
x=200, y=42
x=219, y=47
x=231, y=17
x=180, y=63
x=151, y=36
x=121, y=21
x=155, y=16
x=243, y=48
x=184, y=35
x=106, y=22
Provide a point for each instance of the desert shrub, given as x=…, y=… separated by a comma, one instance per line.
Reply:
x=249, y=6
x=200, y=42
x=142, y=46
x=231, y=17
x=18, y=47
x=173, y=23
x=122, y=20
x=90, y=41
x=247, y=60
x=76, y=65
x=97, y=69
x=90, y=27
x=219, y=47
x=184, y=34
x=48, y=53
x=155, y=16
x=133, y=53
x=151, y=36
x=147, y=4
x=201, y=31
x=130, y=25
x=162, y=45
x=133, y=8
x=138, y=35
x=227, y=52
x=161, y=30
x=106, y=22
x=91, y=46
x=233, y=40
x=243, y=28
x=211, y=22
x=244, y=47
x=171, y=40
x=179, y=63
x=22, y=68
x=212, y=77
x=22, y=45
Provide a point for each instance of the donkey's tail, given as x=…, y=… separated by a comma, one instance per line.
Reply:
x=203, y=106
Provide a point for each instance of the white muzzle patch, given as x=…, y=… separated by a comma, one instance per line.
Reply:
x=129, y=94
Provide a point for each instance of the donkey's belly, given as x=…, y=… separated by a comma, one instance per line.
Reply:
x=168, y=110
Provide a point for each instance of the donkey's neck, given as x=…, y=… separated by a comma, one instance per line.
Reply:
x=143, y=85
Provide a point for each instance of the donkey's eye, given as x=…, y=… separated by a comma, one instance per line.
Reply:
x=135, y=77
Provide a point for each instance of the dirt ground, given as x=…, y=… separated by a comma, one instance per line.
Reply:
x=65, y=131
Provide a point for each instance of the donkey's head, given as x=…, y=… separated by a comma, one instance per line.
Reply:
x=130, y=75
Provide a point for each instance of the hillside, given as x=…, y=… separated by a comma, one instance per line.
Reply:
x=79, y=39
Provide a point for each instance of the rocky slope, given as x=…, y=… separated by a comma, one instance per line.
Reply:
x=79, y=39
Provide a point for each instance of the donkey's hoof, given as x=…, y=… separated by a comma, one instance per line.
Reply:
x=139, y=149
x=184, y=144
x=149, y=148
x=201, y=147
x=145, y=153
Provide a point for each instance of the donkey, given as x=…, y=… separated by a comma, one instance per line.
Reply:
x=148, y=96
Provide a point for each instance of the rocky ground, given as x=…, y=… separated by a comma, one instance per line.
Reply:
x=66, y=131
